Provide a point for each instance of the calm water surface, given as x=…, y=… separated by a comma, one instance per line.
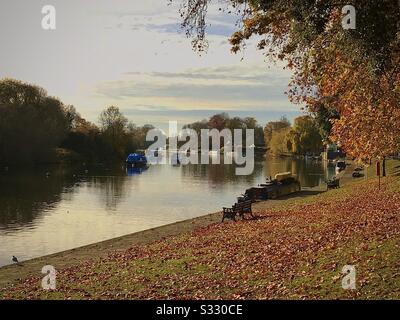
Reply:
x=72, y=207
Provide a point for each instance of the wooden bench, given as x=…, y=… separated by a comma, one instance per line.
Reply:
x=333, y=183
x=237, y=209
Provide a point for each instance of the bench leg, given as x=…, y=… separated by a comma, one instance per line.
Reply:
x=231, y=216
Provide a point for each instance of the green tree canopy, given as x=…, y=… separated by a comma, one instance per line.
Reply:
x=305, y=137
x=274, y=126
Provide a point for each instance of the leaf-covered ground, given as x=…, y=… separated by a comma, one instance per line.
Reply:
x=294, y=252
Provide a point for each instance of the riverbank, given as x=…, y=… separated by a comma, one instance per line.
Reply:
x=11, y=274
x=270, y=257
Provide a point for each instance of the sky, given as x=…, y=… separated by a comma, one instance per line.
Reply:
x=133, y=54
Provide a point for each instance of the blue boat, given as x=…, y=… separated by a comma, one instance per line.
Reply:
x=136, y=160
x=134, y=171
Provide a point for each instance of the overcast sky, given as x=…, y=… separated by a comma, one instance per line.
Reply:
x=133, y=54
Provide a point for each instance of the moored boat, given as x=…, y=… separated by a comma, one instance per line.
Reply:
x=284, y=184
x=136, y=160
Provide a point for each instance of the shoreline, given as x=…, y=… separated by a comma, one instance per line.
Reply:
x=10, y=274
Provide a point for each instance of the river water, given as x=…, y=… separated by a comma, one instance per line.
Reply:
x=50, y=209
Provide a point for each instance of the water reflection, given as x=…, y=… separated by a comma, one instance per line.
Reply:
x=135, y=171
x=309, y=173
x=25, y=195
x=112, y=190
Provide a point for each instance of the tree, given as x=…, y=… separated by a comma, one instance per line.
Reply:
x=324, y=118
x=250, y=122
x=354, y=72
x=137, y=136
x=304, y=136
x=236, y=123
x=274, y=126
x=32, y=124
x=218, y=121
x=113, y=125
x=280, y=143
x=259, y=136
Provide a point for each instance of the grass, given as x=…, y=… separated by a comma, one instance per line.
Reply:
x=294, y=250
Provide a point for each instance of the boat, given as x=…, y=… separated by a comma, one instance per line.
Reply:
x=284, y=184
x=136, y=160
x=134, y=171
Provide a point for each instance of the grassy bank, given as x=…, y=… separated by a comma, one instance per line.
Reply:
x=294, y=250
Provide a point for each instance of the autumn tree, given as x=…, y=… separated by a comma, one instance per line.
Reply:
x=354, y=72
x=304, y=136
x=84, y=137
x=274, y=126
x=218, y=121
x=280, y=143
x=113, y=125
x=137, y=136
x=324, y=117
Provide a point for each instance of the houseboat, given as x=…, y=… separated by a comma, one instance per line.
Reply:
x=284, y=184
x=136, y=160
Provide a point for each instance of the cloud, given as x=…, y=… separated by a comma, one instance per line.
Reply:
x=247, y=74
x=223, y=84
x=175, y=27
x=130, y=8
x=212, y=92
x=248, y=89
x=162, y=16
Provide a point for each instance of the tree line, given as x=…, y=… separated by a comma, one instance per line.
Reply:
x=37, y=128
x=223, y=121
x=304, y=137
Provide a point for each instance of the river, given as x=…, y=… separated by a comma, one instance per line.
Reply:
x=51, y=209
